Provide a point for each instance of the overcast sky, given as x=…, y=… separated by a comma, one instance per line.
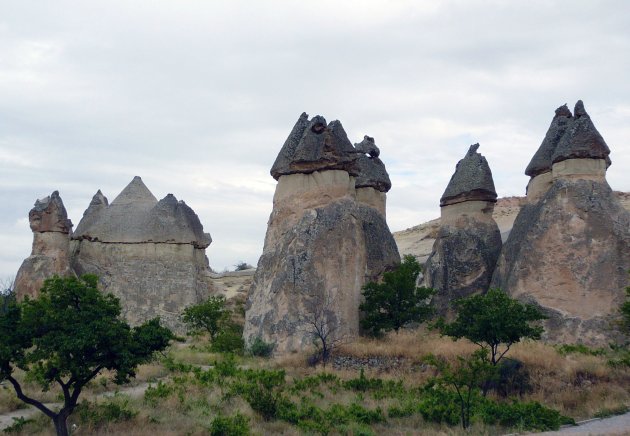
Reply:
x=197, y=97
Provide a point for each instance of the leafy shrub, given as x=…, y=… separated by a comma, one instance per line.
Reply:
x=401, y=412
x=439, y=405
x=606, y=412
x=260, y=348
x=395, y=301
x=237, y=425
x=262, y=389
x=512, y=379
x=18, y=425
x=210, y=316
x=525, y=416
x=116, y=409
x=229, y=341
x=153, y=394
x=242, y=266
x=565, y=349
x=363, y=383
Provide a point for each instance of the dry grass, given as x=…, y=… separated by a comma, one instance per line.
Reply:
x=577, y=385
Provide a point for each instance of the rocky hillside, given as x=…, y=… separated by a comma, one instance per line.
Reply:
x=418, y=240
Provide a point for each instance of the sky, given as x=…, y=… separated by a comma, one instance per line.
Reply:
x=197, y=98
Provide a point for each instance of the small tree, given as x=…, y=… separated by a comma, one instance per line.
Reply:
x=493, y=320
x=319, y=320
x=67, y=336
x=7, y=293
x=210, y=316
x=395, y=301
x=465, y=377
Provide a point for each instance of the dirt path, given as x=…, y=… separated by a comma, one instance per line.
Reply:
x=615, y=425
x=7, y=419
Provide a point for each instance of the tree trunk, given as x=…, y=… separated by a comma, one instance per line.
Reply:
x=60, y=421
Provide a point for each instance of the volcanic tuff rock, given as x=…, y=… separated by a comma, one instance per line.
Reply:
x=50, y=253
x=469, y=241
x=150, y=254
x=314, y=146
x=569, y=249
x=542, y=159
x=324, y=240
x=472, y=180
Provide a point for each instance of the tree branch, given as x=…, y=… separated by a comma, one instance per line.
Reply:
x=28, y=400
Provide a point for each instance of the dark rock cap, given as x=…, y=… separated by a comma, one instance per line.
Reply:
x=581, y=140
x=541, y=162
x=314, y=146
x=472, y=180
x=49, y=215
x=371, y=170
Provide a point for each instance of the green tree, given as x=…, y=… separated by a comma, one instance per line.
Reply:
x=67, y=336
x=493, y=321
x=465, y=378
x=209, y=316
x=395, y=301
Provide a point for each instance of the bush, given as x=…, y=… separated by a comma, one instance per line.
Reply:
x=18, y=425
x=242, y=266
x=512, y=379
x=115, y=409
x=395, y=301
x=262, y=389
x=492, y=320
x=525, y=416
x=565, y=349
x=439, y=405
x=229, y=340
x=237, y=425
x=210, y=316
x=260, y=348
x=153, y=394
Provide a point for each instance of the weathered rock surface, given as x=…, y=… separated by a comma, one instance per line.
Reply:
x=542, y=160
x=569, y=249
x=569, y=253
x=581, y=139
x=314, y=146
x=150, y=254
x=320, y=260
x=325, y=238
x=50, y=253
x=469, y=241
x=472, y=180
x=371, y=170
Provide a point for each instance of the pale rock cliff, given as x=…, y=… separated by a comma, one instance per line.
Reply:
x=324, y=240
x=149, y=253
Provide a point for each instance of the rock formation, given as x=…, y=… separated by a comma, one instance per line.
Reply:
x=569, y=249
x=469, y=241
x=149, y=253
x=325, y=237
x=51, y=246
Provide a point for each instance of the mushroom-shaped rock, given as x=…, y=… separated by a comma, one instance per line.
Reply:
x=314, y=146
x=371, y=170
x=50, y=253
x=581, y=140
x=541, y=161
x=49, y=215
x=472, y=180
